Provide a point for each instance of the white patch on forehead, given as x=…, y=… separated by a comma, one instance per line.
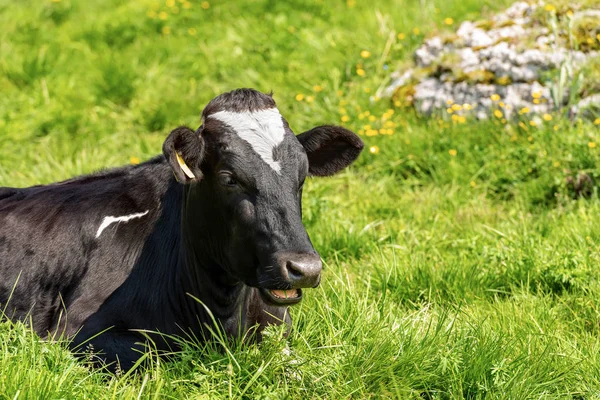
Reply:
x=263, y=130
x=108, y=220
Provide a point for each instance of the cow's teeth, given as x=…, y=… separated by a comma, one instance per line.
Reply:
x=285, y=294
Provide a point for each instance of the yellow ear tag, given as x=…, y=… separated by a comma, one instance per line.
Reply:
x=184, y=167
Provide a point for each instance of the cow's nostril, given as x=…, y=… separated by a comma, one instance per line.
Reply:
x=294, y=270
x=300, y=270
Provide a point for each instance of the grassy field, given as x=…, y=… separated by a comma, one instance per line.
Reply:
x=461, y=258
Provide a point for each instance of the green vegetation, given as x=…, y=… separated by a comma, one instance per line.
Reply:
x=462, y=258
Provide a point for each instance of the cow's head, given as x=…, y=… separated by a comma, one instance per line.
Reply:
x=245, y=170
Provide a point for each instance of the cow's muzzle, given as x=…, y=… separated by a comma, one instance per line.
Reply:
x=300, y=270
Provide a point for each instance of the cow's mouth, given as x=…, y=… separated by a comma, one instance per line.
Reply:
x=282, y=297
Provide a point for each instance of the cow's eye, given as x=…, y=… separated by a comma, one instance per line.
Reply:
x=228, y=180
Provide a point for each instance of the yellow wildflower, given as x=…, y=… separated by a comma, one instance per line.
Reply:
x=205, y=5
x=151, y=13
x=371, y=132
x=547, y=117
x=339, y=93
x=597, y=121
x=449, y=102
x=503, y=120
x=372, y=118
x=170, y=3
x=448, y=21
x=401, y=36
x=187, y=5
x=345, y=118
x=536, y=101
x=318, y=88
x=501, y=104
x=449, y=110
x=532, y=123
x=360, y=72
x=570, y=14
x=310, y=99
x=472, y=183
x=456, y=107
x=351, y=3
x=163, y=15
x=556, y=164
x=592, y=145
x=192, y=31
x=299, y=97
x=416, y=31
x=467, y=106
x=134, y=160
x=549, y=8
x=498, y=114
x=166, y=30
x=365, y=54
x=390, y=131
x=536, y=95
x=374, y=149
x=367, y=90
x=452, y=152
x=524, y=110
x=495, y=97
x=462, y=119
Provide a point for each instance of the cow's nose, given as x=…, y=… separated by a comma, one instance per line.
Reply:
x=301, y=270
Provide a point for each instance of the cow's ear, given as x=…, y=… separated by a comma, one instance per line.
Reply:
x=184, y=150
x=330, y=149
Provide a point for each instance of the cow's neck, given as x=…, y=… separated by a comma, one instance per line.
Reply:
x=205, y=283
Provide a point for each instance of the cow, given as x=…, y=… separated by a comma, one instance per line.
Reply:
x=210, y=231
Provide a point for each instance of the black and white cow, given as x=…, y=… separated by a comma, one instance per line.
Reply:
x=215, y=223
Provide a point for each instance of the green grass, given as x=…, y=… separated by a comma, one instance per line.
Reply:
x=461, y=262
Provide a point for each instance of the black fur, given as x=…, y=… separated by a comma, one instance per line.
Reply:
x=222, y=238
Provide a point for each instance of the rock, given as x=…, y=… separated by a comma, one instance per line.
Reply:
x=588, y=105
x=473, y=36
x=506, y=56
x=398, y=82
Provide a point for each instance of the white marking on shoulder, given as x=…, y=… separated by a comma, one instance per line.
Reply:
x=263, y=130
x=108, y=220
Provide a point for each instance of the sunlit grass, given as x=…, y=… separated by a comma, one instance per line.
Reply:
x=461, y=257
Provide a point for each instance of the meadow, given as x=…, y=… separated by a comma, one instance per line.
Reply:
x=461, y=257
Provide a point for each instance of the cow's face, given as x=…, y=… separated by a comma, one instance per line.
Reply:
x=246, y=169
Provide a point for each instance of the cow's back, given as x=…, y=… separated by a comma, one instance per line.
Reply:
x=69, y=245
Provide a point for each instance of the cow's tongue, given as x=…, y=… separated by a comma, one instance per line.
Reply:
x=285, y=294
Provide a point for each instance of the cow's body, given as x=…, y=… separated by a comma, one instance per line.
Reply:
x=105, y=256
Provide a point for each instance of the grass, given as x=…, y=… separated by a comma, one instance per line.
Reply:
x=461, y=258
